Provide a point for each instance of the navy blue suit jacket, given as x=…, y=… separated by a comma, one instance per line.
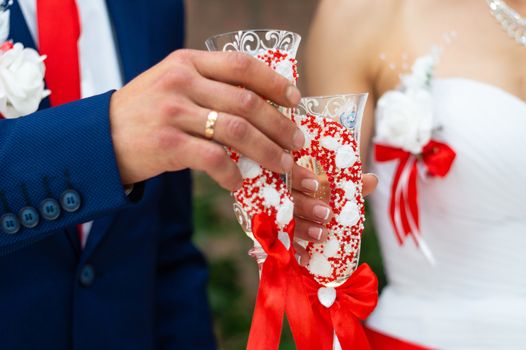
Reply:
x=139, y=283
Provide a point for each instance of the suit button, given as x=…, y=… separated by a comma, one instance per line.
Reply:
x=9, y=223
x=49, y=209
x=28, y=217
x=87, y=276
x=70, y=201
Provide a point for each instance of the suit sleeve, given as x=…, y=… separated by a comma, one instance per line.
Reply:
x=57, y=169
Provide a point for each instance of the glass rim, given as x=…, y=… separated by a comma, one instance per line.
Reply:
x=261, y=30
x=325, y=97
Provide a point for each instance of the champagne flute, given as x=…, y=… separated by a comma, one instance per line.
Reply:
x=277, y=48
x=331, y=125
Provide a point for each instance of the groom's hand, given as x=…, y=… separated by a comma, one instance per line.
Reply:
x=312, y=214
x=158, y=120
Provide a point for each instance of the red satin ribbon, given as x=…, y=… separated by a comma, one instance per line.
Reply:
x=403, y=207
x=280, y=289
x=355, y=300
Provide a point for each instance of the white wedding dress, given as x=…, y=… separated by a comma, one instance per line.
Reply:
x=474, y=222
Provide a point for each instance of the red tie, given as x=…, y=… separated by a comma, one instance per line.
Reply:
x=58, y=36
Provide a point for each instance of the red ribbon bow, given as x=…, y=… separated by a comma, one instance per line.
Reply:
x=280, y=289
x=354, y=301
x=403, y=208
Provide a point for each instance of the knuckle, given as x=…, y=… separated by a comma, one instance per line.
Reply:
x=173, y=107
x=248, y=100
x=238, y=128
x=181, y=77
x=240, y=63
x=214, y=157
x=181, y=56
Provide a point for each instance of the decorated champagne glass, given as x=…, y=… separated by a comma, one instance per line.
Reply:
x=278, y=49
x=331, y=125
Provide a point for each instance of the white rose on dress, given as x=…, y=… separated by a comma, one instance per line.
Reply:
x=21, y=81
x=420, y=73
x=405, y=119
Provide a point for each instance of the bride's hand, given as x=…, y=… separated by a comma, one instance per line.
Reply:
x=311, y=214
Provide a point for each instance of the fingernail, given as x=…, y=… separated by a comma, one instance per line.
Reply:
x=293, y=95
x=315, y=233
x=298, y=258
x=376, y=176
x=298, y=139
x=321, y=212
x=287, y=162
x=310, y=184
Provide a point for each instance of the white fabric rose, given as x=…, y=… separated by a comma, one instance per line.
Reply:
x=350, y=214
x=248, y=168
x=405, y=119
x=319, y=265
x=345, y=157
x=270, y=196
x=21, y=81
x=286, y=69
x=420, y=73
x=285, y=212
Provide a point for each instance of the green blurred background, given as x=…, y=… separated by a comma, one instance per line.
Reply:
x=234, y=276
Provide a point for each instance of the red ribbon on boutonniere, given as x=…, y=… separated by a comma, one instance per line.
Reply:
x=340, y=311
x=437, y=158
x=280, y=290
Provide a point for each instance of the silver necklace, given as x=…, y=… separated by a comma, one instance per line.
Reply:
x=509, y=19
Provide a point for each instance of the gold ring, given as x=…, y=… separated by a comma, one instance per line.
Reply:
x=210, y=124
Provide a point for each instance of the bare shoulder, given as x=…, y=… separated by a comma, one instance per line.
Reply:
x=346, y=36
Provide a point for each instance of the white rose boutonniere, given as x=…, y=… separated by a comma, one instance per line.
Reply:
x=22, y=73
x=21, y=81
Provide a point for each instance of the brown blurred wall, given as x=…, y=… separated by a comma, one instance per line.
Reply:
x=209, y=17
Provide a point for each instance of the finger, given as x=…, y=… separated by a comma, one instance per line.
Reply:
x=304, y=180
x=302, y=257
x=370, y=181
x=239, y=134
x=245, y=103
x=309, y=231
x=311, y=209
x=206, y=156
x=240, y=69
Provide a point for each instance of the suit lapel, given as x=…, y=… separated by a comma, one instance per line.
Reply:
x=18, y=29
x=130, y=23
